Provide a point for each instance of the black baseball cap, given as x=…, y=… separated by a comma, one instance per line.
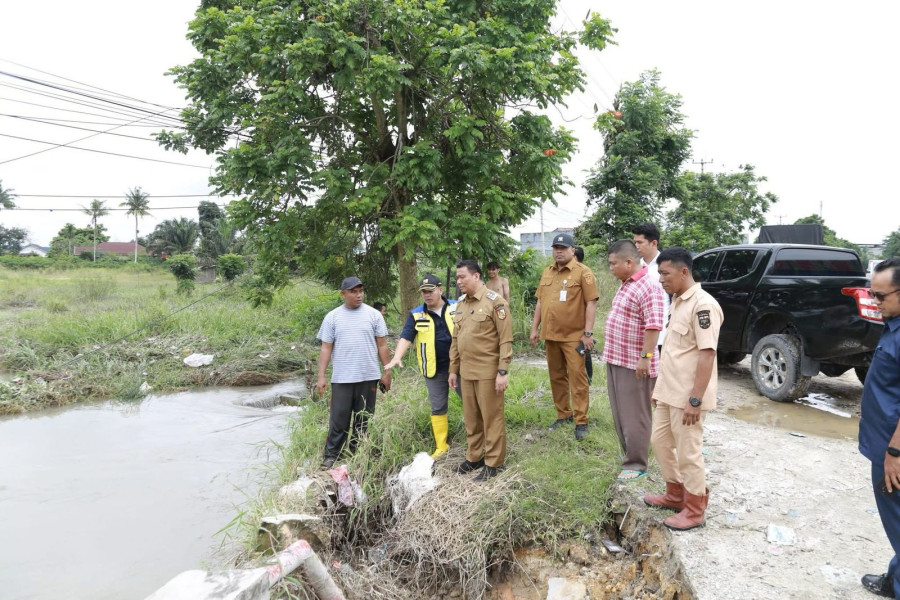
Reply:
x=429, y=282
x=350, y=282
x=563, y=239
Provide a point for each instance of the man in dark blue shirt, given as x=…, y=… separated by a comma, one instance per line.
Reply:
x=879, y=423
x=429, y=325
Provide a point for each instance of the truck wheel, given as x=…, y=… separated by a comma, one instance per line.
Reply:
x=775, y=367
x=861, y=373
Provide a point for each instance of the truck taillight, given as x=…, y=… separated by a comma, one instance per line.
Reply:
x=867, y=308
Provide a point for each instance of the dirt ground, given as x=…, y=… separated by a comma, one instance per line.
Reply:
x=767, y=466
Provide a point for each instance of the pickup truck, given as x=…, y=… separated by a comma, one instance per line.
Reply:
x=797, y=310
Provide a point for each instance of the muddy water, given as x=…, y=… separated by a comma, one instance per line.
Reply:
x=830, y=409
x=111, y=500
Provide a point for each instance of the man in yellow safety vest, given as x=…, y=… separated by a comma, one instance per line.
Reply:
x=430, y=327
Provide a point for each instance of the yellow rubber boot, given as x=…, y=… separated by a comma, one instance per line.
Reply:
x=439, y=426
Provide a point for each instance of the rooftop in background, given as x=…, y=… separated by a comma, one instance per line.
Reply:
x=533, y=240
x=120, y=248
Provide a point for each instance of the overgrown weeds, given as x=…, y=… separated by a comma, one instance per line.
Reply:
x=553, y=490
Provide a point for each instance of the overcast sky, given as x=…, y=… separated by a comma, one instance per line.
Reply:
x=804, y=91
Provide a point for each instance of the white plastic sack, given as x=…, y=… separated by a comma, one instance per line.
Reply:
x=198, y=360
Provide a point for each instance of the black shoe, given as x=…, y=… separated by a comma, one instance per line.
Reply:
x=487, y=472
x=880, y=585
x=559, y=422
x=468, y=466
x=328, y=463
x=580, y=432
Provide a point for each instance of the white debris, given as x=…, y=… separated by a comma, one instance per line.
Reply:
x=413, y=482
x=776, y=534
x=145, y=387
x=198, y=360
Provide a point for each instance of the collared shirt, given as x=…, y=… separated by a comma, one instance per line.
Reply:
x=694, y=322
x=482, y=335
x=442, y=337
x=636, y=307
x=564, y=294
x=653, y=273
x=881, y=395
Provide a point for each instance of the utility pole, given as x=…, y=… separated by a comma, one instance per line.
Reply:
x=703, y=163
x=543, y=241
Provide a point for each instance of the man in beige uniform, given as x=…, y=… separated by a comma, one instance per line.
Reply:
x=685, y=391
x=567, y=301
x=480, y=354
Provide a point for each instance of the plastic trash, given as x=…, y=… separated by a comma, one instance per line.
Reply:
x=198, y=360
x=776, y=534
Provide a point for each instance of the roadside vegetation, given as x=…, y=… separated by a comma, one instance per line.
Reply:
x=555, y=491
x=75, y=335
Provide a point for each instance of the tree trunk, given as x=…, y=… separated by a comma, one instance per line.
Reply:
x=409, y=277
x=95, y=241
x=135, y=238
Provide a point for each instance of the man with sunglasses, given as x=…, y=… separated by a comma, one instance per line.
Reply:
x=879, y=422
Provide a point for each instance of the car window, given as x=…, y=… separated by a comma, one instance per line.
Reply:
x=736, y=264
x=807, y=262
x=703, y=266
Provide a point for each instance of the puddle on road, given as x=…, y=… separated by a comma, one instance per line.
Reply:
x=815, y=414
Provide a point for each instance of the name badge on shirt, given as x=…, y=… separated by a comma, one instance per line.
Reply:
x=562, y=295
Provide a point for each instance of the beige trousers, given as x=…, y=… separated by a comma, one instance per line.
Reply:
x=485, y=422
x=568, y=376
x=678, y=449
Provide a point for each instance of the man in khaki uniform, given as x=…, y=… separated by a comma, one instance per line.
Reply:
x=567, y=301
x=480, y=353
x=685, y=391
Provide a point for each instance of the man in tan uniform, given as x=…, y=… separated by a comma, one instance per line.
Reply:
x=567, y=301
x=685, y=391
x=480, y=354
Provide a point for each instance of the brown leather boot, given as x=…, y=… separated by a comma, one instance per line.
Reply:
x=673, y=498
x=693, y=515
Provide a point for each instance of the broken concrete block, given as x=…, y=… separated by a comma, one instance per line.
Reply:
x=225, y=585
x=560, y=588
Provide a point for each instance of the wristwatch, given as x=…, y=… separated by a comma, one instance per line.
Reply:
x=695, y=402
x=501, y=371
x=893, y=451
x=588, y=334
x=646, y=355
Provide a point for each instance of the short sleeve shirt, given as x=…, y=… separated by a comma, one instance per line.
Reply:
x=881, y=395
x=353, y=331
x=694, y=322
x=636, y=307
x=653, y=273
x=564, y=294
x=482, y=335
x=442, y=337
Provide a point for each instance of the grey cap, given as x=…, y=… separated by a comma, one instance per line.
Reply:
x=563, y=239
x=350, y=283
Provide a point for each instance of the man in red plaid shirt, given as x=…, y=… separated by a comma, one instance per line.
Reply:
x=632, y=364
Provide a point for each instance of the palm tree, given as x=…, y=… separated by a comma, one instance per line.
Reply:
x=184, y=234
x=96, y=210
x=68, y=234
x=6, y=197
x=137, y=203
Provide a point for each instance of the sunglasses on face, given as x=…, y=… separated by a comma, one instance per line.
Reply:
x=881, y=296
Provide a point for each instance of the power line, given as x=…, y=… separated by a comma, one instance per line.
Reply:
x=104, y=208
x=124, y=135
x=98, y=196
x=55, y=145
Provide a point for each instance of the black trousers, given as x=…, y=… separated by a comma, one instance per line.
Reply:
x=350, y=403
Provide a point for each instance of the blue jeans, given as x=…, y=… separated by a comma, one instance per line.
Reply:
x=889, y=511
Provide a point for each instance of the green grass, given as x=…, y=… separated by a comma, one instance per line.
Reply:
x=559, y=489
x=65, y=328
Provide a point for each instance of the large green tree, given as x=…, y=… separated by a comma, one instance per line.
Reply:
x=138, y=204
x=12, y=239
x=645, y=144
x=891, y=245
x=6, y=197
x=96, y=210
x=174, y=236
x=69, y=237
x=715, y=209
x=362, y=133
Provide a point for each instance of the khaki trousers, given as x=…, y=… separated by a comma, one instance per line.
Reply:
x=678, y=449
x=629, y=399
x=485, y=422
x=568, y=381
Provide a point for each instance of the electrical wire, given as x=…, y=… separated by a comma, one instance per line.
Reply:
x=105, y=208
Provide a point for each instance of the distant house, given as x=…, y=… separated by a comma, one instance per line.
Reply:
x=534, y=240
x=34, y=250
x=117, y=248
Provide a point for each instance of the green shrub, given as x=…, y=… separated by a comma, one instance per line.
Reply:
x=183, y=267
x=310, y=310
x=230, y=266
